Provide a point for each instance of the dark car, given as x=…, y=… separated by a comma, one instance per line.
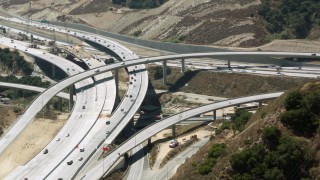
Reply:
x=45, y=151
x=69, y=162
x=107, y=122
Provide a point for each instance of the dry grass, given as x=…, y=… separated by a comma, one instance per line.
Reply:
x=227, y=84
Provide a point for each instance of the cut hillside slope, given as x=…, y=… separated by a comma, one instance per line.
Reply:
x=224, y=84
x=267, y=134
x=219, y=22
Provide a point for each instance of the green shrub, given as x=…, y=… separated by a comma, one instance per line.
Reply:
x=312, y=102
x=240, y=118
x=258, y=163
x=290, y=18
x=293, y=100
x=270, y=136
x=216, y=150
x=226, y=125
x=300, y=121
x=204, y=169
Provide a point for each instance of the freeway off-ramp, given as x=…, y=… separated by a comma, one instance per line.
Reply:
x=149, y=131
x=32, y=88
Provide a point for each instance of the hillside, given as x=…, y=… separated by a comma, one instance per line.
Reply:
x=219, y=22
x=281, y=141
x=222, y=84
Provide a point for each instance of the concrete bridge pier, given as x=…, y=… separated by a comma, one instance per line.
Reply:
x=48, y=106
x=260, y=104
x=164, y=72
x=183, y=67
x=116, y=78
x=15, y=93
x=53, y=71
x=229, y=64
x=149, y=141
x=214, y=115
x=60, y=104
x=173, y=131
x=71, y=89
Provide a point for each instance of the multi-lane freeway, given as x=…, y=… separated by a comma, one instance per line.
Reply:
x=137, y=87
x=73, y=79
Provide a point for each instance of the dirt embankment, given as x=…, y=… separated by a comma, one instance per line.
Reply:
x=31, y=141
x=219, y=22
x=227, y=84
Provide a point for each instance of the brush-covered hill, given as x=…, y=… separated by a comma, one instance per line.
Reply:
x=209, y=22
x=280, y=141
x=232, y=23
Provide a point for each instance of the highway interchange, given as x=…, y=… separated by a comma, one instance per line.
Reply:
x=120, y=117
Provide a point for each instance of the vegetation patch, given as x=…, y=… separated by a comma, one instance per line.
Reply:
x=175, y=39
x=214, y=152
x=302, y=112
x=140, y=4
x=288, y=19
x=13, y=63
x=281, y=162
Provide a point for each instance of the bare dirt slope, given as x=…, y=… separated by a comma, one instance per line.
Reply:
x=33, y=139
x=210, y=22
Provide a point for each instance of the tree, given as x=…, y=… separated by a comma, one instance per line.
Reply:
x=312, y=102
x=270, y=136
x=274, y=173
x=293, y=100
x=290, y=154
x=300, y=121
x=248, y=159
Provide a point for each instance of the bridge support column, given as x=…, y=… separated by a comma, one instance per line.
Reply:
x=15, y=93
x=260, y=104
x=183, y=67
x=214, y=115
x=116, y=78
x=53, y=71
x=60, y=104
x=164, y=72
x=48, y=106
x=173, y=131
x=71, y=89
x=149, y=141
x=229, y=64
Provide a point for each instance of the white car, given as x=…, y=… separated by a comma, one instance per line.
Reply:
x=58, y=139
